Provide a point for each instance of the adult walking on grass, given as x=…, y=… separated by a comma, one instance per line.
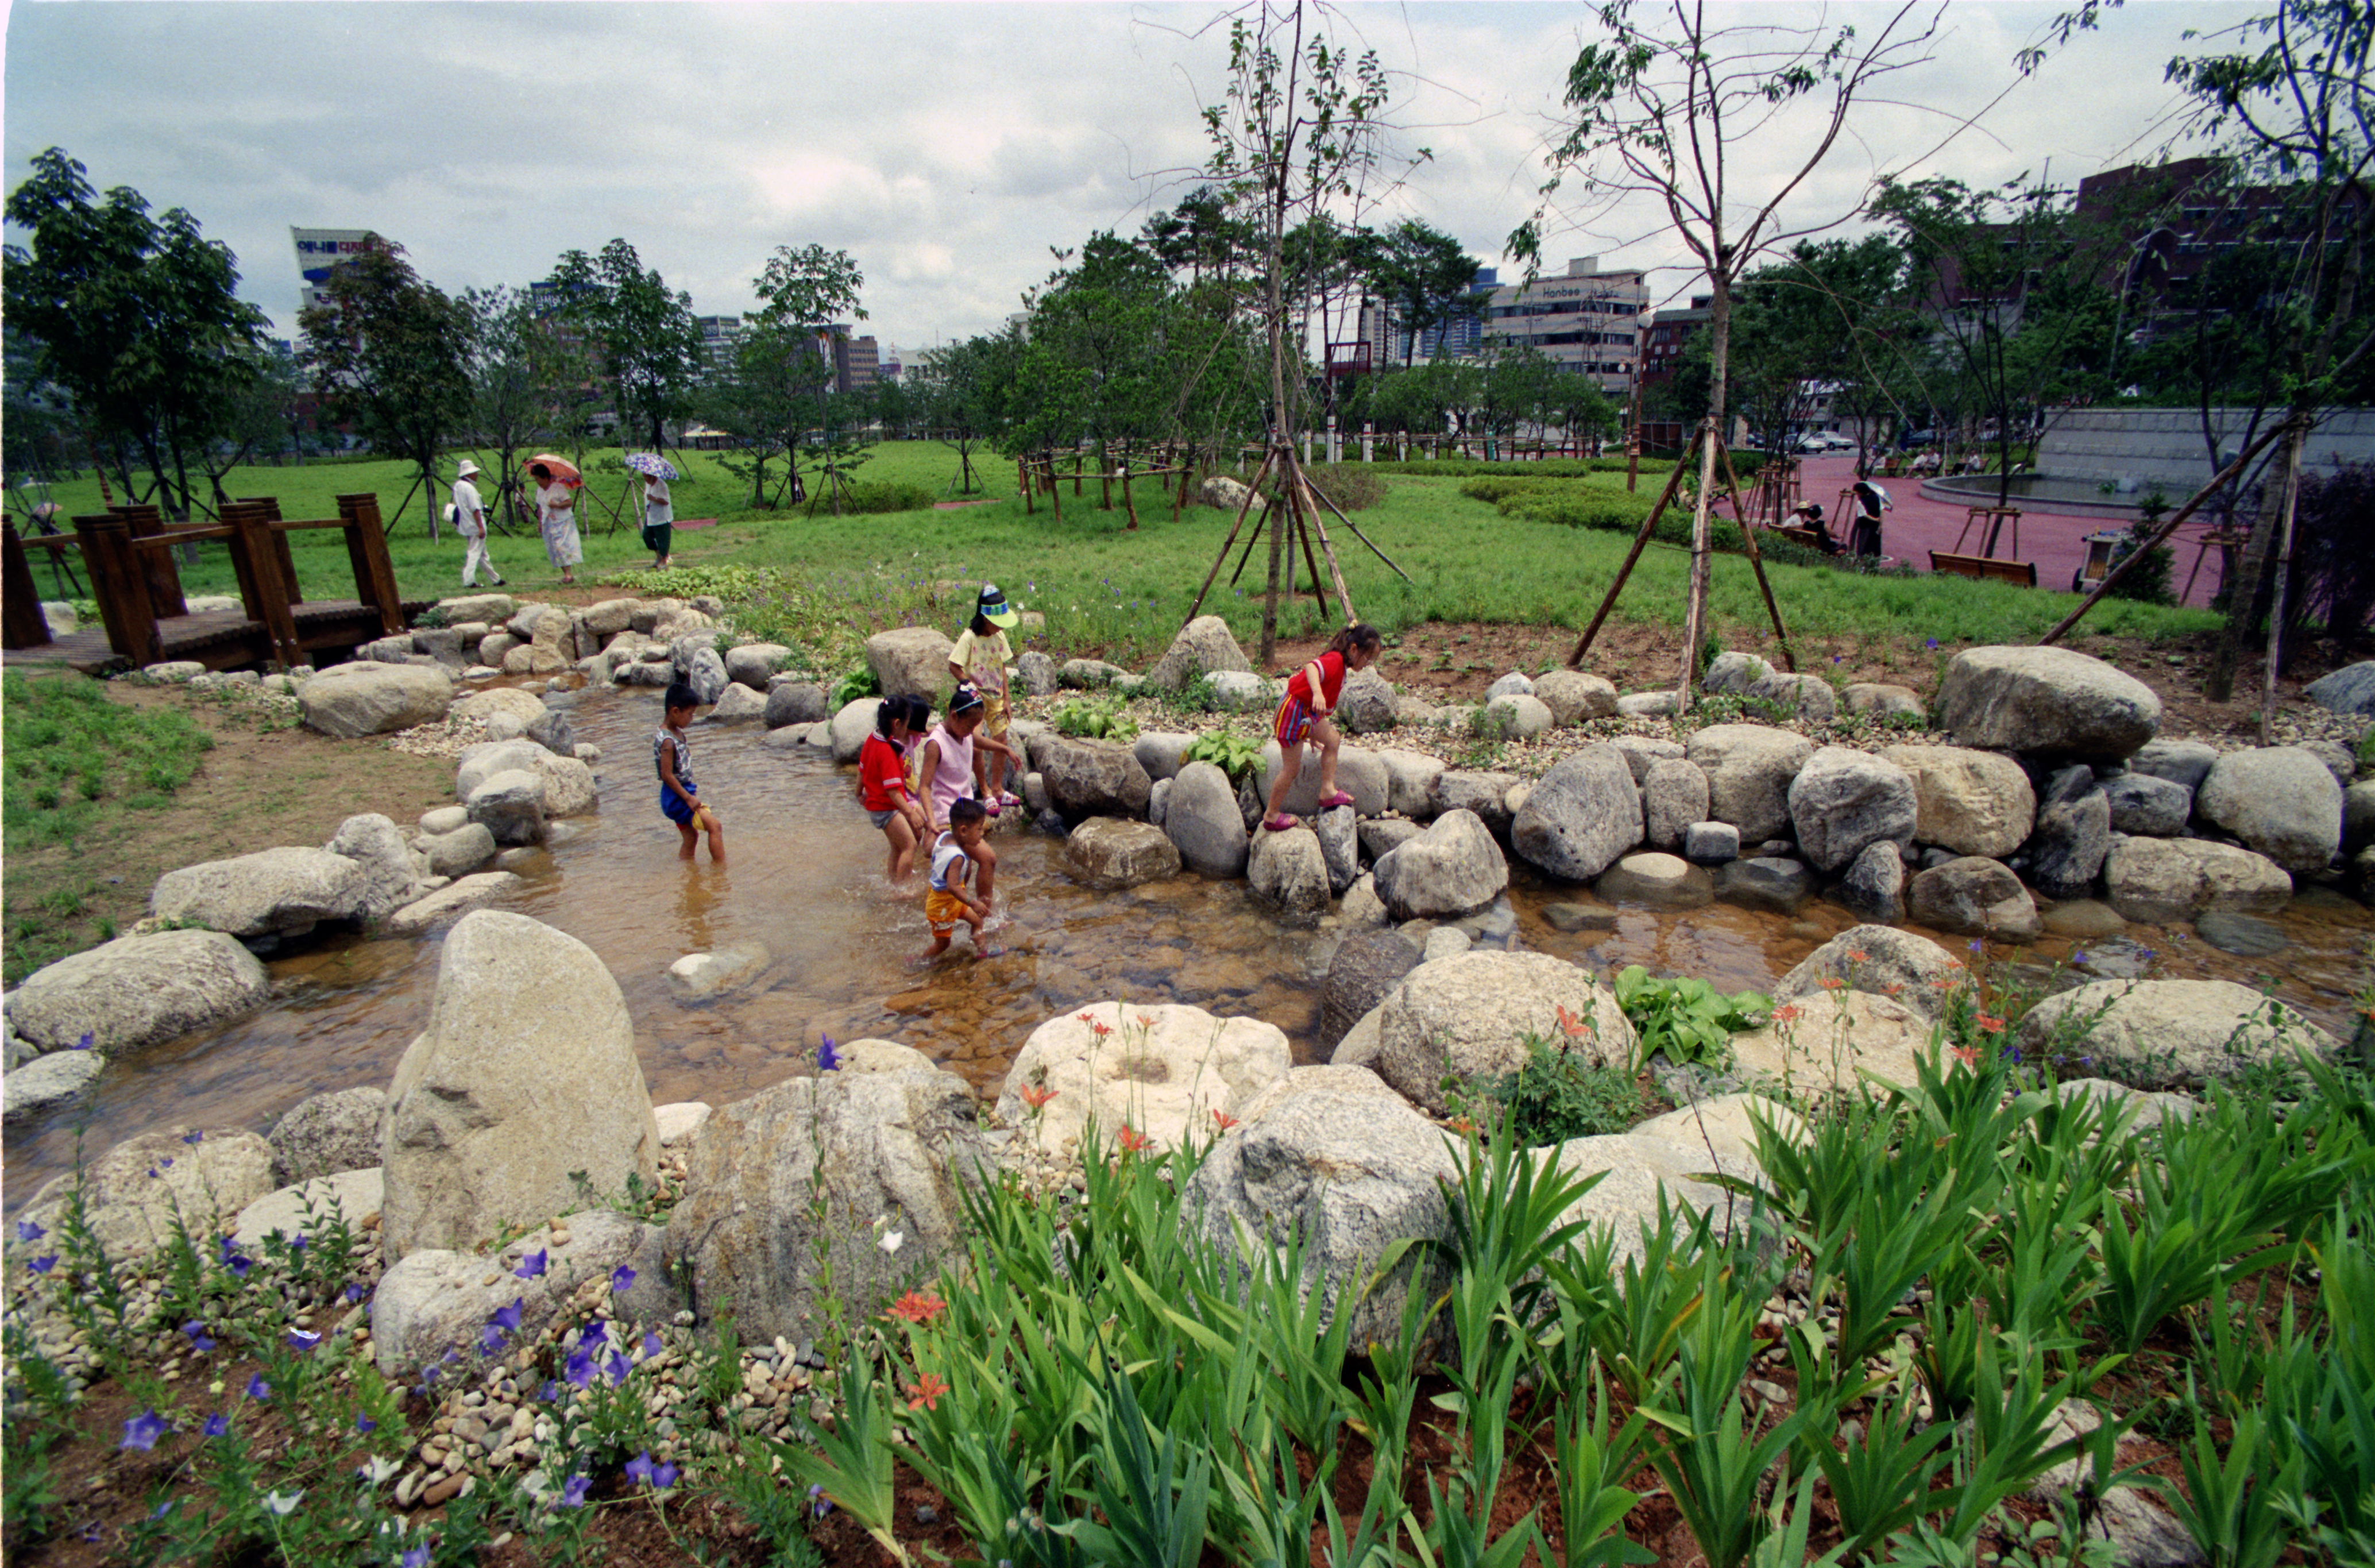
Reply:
x=555, y=519
x=470, y=522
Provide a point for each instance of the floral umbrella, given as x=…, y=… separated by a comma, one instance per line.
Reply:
x=648, y=463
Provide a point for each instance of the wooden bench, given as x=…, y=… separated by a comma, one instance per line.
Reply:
x=2021, y=571
x=1805, y=537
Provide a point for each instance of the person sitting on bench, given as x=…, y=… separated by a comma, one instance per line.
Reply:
x=1809, y=516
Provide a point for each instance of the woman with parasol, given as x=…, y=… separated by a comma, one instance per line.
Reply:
x=556, y=512
x=659, y=512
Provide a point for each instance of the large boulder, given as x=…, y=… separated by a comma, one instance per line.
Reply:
x=1748, y=769
x=1161, y=753
x=460, y=851
x=736, y=704
x=485, y=706
x=1827, y=1043
x=1880, y=961
x=2186, y=762
x=2282, y=801
x=1969, y=801
x=1200, y=817
x=1409, y=780
x=1732, y=673
x=1643, y=752
x=1844, y=800
x=698, y=979
x=1340, y=847
x=2159, y=1034
x=911, y=661
x=1674, y=796
x=839, y=1192
x=1775, y=883
x=1111, y=852
x=456, y=898
x=1470, y=1017
x=795, y=702
x=2147, y=807
x=1515, y=716
x=273, y=892
x=1367, y=965
x=754, y=664
x=153, y=1188
x=1873, y=887
x=480, y=762
x=1451, y=869
x=1807, y=697
x=1580, y=816
x=524, y=1085
x=2073, y=833
x=352, y=1198
x=1288, y=870
x=1464, y=789
x=851, y=726
x=433, y=1307
x=1359, y=774
x=2350, y=690
x=2045, y=700
x=35, y=1084
x=137, y=991
x=2162, y=881
x=367, y=698
x=1659, y=881
x=703, y=669
x=1090, y=778
x=1573, y=697
x=1333, y=1160
x=510, y=806
x=1643, y=1178
x=1202, y=647
x=1368, y=703
x=1034, y=673
x=324, y=1134
x=376, y=846
x=1165, y=1071
x=1974, y=896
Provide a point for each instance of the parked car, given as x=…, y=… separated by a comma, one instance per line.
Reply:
x=1822, y=441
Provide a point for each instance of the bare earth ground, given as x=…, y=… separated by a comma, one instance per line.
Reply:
x=255, y=790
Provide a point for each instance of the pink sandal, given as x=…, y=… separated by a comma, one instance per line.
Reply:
x=1278, y=822
x=1339, y=798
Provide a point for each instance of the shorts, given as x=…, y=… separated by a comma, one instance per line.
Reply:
x=993, y=716
x=944, y=912
x=676, y=807
x=881, y=819
x=1294, y=720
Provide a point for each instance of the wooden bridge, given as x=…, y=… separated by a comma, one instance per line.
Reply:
x=128, y=553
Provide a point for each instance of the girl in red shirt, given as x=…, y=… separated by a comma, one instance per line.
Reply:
x=1310, y=698
x=882, y=786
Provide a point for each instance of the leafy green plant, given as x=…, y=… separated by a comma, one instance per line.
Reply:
x=1236, y=755
x=859, y=682
x=1686, y=1019
x=1094, y=718
x=1558, y=1094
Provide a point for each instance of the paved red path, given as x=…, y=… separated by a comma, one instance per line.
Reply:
x=1915, y=525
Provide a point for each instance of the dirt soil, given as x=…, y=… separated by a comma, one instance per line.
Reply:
x=256, y=789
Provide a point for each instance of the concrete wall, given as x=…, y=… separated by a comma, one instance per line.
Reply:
x=2146, y=447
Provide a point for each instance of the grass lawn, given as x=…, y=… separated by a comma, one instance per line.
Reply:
x=1107, y=589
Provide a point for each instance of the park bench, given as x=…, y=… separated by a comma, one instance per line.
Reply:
x=1805, y=537
x=2021, y=571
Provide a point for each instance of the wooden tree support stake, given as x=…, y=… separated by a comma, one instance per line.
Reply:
x=1641, y=541
x=1252, y=493
x=1756, y=556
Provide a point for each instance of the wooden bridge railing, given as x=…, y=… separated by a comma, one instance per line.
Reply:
x=128, y=552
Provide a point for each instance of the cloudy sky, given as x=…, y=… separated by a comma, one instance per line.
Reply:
x=946, y=146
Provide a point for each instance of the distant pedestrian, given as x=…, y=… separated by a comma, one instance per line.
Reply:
x=659, y=520
x=1871, y=502
x=555, y=519
x=470, y=522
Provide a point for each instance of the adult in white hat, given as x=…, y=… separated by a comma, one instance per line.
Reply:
x=470, y=522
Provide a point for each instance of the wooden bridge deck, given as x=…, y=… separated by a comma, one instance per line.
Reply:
x=217, y=639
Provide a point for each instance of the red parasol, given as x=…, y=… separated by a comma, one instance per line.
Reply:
x=561, y=468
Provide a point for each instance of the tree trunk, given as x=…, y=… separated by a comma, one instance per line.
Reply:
x=2243, y=593
x=1695, y=613
x=2295, y=438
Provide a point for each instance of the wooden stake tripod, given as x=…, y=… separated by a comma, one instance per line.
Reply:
x=1297, y=497
x=1706, y=444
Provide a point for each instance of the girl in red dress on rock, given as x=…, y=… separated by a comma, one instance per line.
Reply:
x=1304, y=717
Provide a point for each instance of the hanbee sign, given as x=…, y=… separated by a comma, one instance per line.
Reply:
x=319, y=250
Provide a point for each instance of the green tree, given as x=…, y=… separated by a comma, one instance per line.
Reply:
x=1811, y=325
x=137, y=318
x=1427, y=277
x=649, y=343
x=526, y=374
x=963, y=391
x=802, y=291
x=774, y=391
x=389, y=354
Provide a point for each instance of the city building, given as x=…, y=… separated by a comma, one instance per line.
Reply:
x=1669, y=331
x=1587, y=322
x=720, y=336
x=319, y=251
x=856, y=361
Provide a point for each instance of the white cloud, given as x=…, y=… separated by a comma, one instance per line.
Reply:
x=947, y=147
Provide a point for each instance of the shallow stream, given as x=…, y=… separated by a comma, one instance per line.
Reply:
x=805, y=877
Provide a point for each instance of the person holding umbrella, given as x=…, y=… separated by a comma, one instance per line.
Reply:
x=556, y=512
x=659, y=514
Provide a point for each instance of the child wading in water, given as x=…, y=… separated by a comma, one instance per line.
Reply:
x=679, y=796
x=957, y=854
x=1310, y=698
x=882, y=782
x=946, y=770
x=980, y=658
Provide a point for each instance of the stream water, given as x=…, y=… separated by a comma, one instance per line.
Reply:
x=805, y=877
